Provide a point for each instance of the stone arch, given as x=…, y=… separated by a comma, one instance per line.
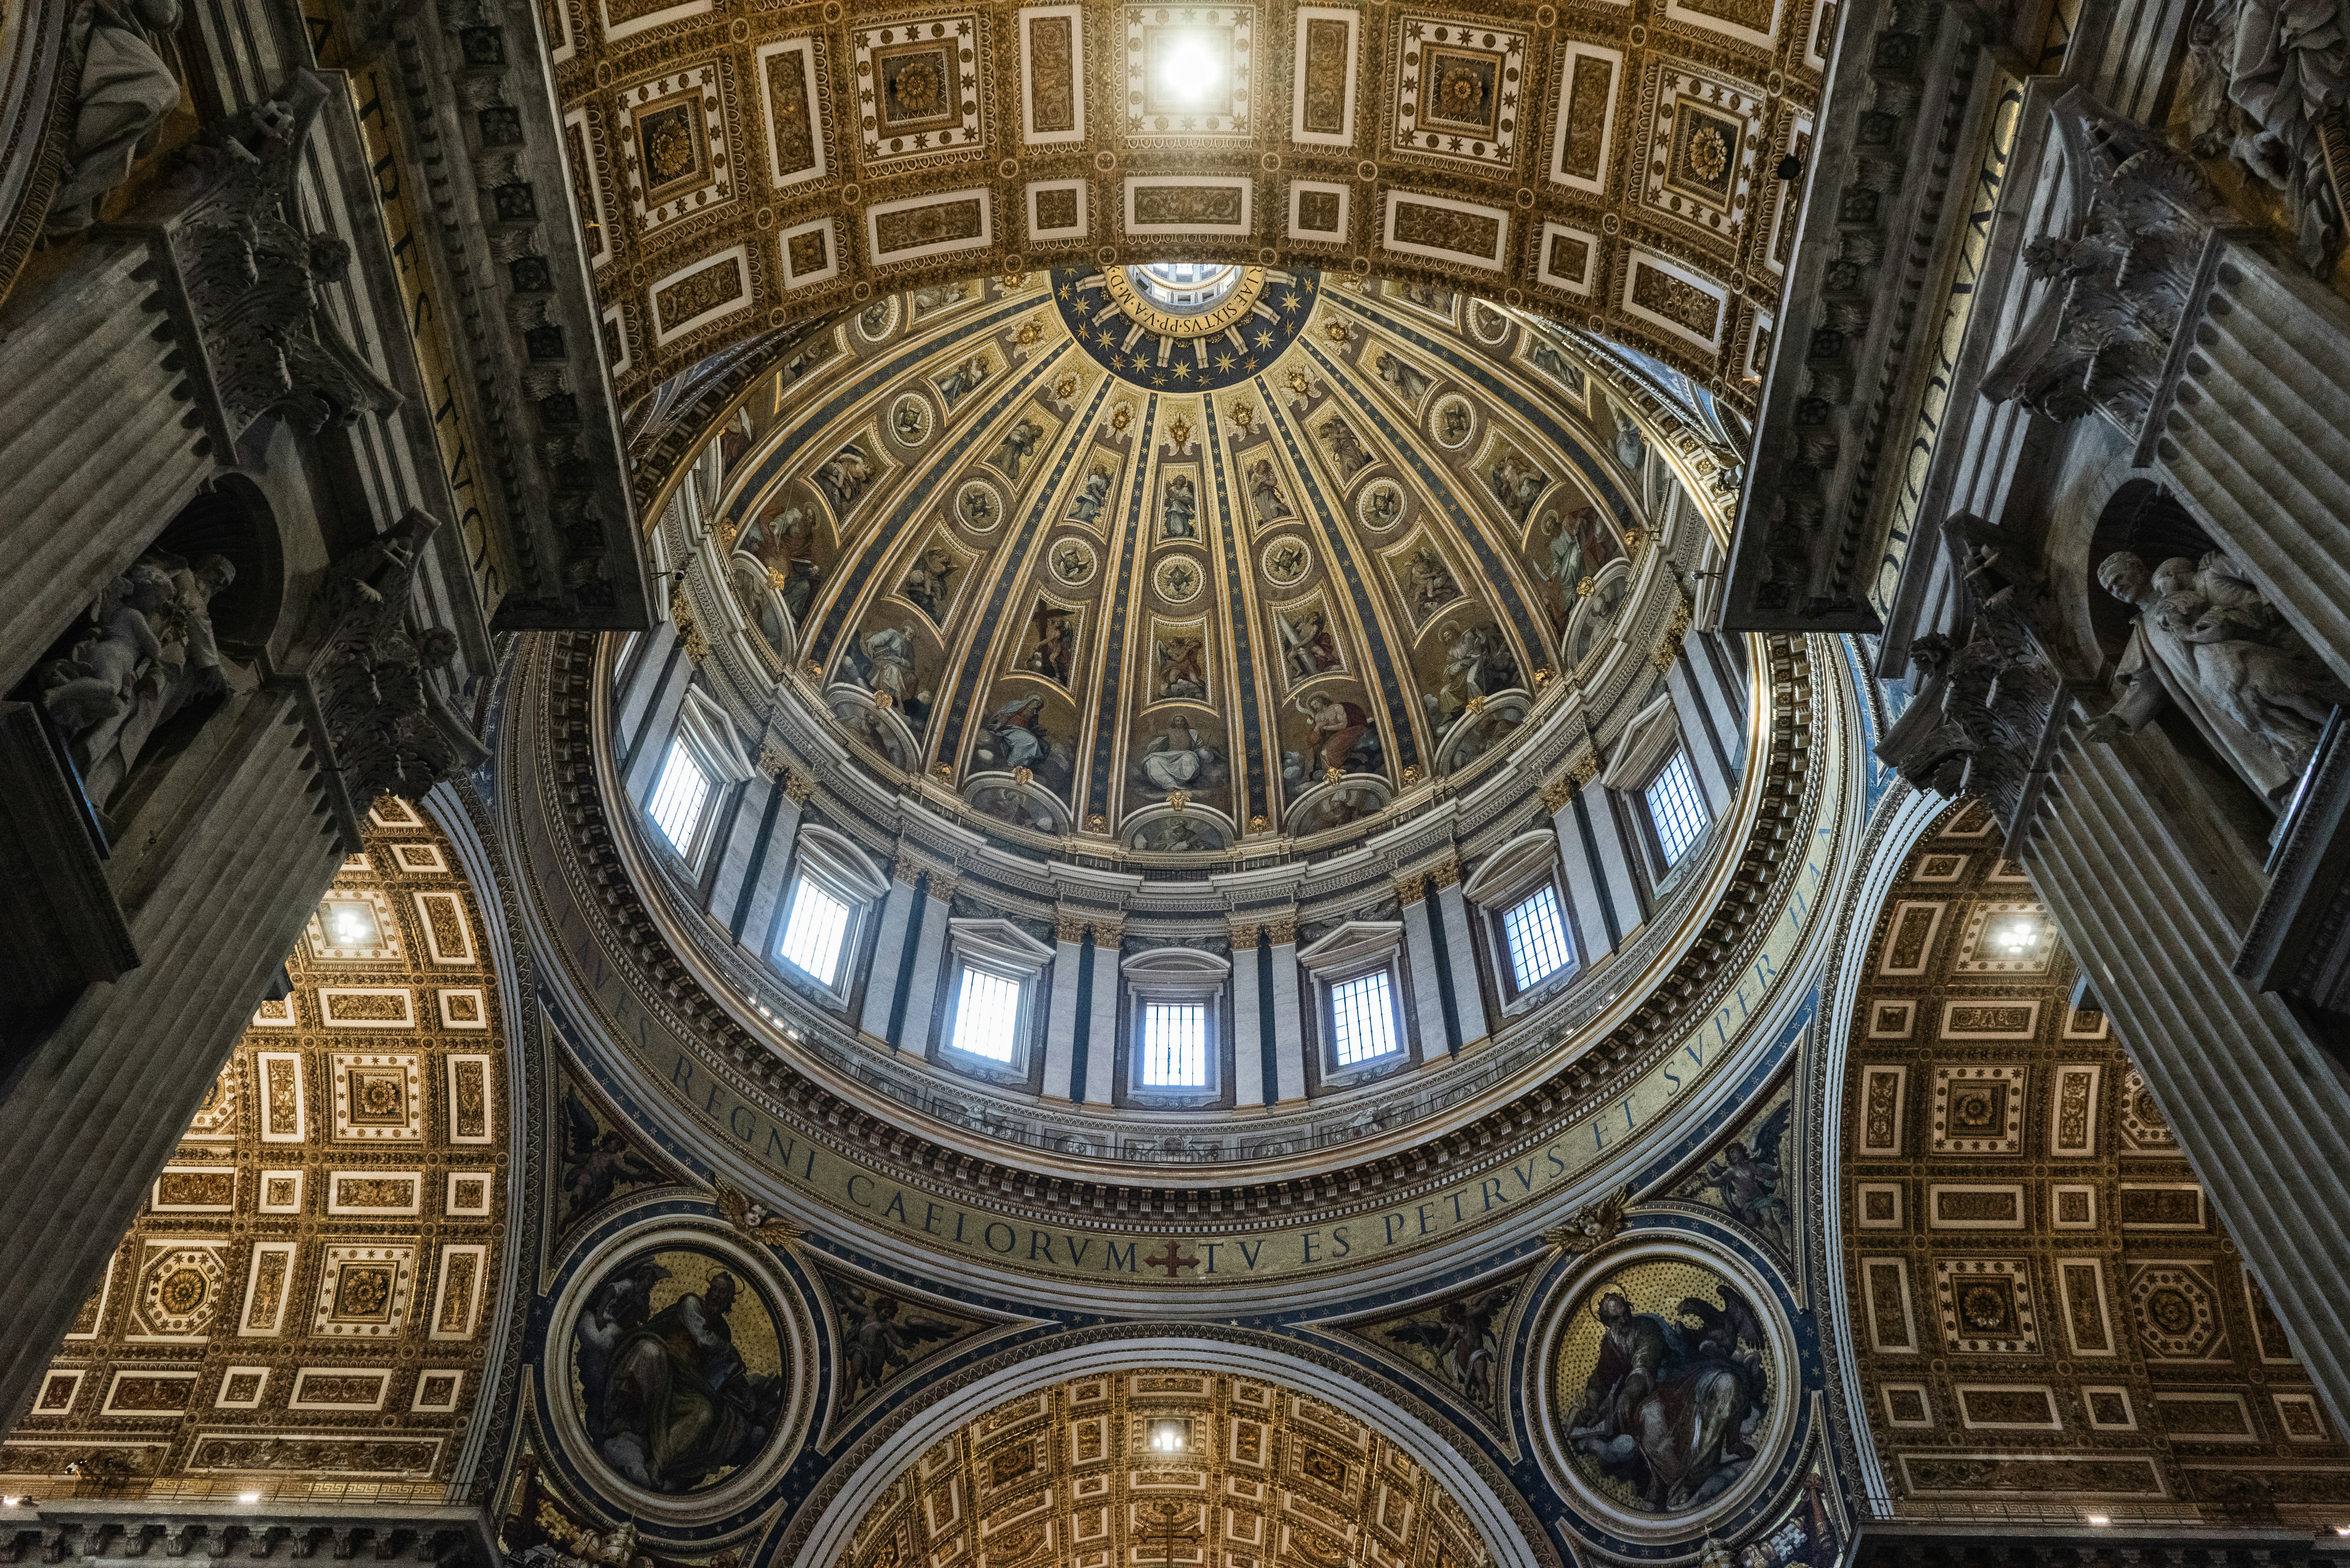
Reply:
x=832, y=1516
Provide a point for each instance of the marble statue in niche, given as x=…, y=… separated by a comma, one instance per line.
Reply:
x=1673, y=1393
x=126, y=91
x=677, y=1370
x=2205, y=640
x=151, y=654
x=2264, y=77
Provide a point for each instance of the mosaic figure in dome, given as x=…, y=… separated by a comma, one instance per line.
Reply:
x=1178, y=508
x=1345, y=447
x=929, y=582
x=597, y=1159
x=1308, y=648
x=1337, y=736
x=1453, y=424
x=1557, y=366
x=938, y=297
x=1019, y=444
x=1053, y=645
x=1179, y=835
x=1458, y=1337
x=1264, y=489
x=1092, y=492
x=1430, y=582
x=1671, y=1402
x=884, y=661
x=1577, y=545
x=1023, y=732
x=1402, y=378
x=1516, y=483
x=1478, y=663
x=843, y=478
x=1183, y=756
x=674, y=1390
x=961, y=381
x=1182, y=669
x=881, y=1338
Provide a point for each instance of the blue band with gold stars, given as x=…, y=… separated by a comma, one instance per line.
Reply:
x=1125, y=338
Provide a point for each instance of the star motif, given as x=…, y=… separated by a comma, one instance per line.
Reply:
x=1264, y=339
x=1223, y=361
x=1183, y=371
x=1290, y=301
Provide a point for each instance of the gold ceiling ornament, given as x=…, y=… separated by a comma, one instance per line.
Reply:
x=1121, y=416
x=753, y=1218
x=1177, y=800
x=1178, y=432
x=1229, y=312
x=1591, y=1226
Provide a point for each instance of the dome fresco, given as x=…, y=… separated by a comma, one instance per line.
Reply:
x=1181, y=576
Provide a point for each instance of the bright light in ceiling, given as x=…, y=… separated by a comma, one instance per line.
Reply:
x=1189, y=71
x=1167, y=1437
x=248, y=1497
x=2018, y=936
x=351, y=925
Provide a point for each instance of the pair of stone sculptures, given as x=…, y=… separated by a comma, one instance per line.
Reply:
x=153, y=651
x=126, y=90
x=2206, y=641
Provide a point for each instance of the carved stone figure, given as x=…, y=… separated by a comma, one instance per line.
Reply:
x=2268, y=75
x=126, y=91
x=154, y=651
x=390, y=725
x=2206, y=641
x=2120, y=273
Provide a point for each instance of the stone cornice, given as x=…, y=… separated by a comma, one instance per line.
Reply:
x=1847, y=357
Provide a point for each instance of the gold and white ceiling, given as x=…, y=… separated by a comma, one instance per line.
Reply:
x=739, y=165
x=1098, y=566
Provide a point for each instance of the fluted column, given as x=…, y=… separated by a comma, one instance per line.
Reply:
x=1101, y=1027
x=2256, y=437
x=1468, y=997
x=1288, y=1033
x=98, y=1106
x=1061, y=1014
x=1419, y=951
x=1248, y=1021
x=102, y=439
x=2260, y=1108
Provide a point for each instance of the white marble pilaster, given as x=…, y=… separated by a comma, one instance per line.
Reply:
x=1248, y=1022
x=1461, y=955
x=667, y=698
x=1702, y=726
x=1288, y=1033
x=889, y=954
x=1101, y=1028
x=927, y=955
x=1427, y=988
x=1061, y=1013
x=1595, y=919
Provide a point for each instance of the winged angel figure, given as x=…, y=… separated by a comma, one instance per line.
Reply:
x=393, y=728
x=595, y=1161
x=877, y=1340
x=753, y=1218
x=253, y=278
x=1591, y=1226
x=1461, y=1339
x=1748, y=1175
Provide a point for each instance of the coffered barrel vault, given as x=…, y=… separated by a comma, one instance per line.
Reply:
x=1615, y=165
